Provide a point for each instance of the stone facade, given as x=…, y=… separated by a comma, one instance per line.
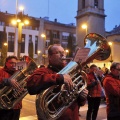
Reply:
x=91, y=13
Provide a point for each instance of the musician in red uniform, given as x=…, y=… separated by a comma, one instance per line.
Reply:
x=5, y=73
x=111, y=84
x=94, y=94
x=44, y=78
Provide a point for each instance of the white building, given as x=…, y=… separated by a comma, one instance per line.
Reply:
x=53, y=30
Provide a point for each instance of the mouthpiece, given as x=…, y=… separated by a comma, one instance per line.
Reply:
x=67, y=58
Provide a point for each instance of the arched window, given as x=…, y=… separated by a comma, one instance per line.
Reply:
x=96, y=3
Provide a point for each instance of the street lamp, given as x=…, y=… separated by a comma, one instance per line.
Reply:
x=38, y=53
x=5, y=44
x=18, y=22
x=14, y=23
x=110, y=44
x=67, y=52
x=43, y=35
x=44, y=55
x=84, y=26
x=21, y=8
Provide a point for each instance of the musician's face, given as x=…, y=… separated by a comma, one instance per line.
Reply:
x=116, y=71
x=56, y=58
x=94, y=69
x=11, y=64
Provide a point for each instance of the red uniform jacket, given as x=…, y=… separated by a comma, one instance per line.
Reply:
x=4, y=73
x=43, y=78
x=95, y=88
x=111, y=85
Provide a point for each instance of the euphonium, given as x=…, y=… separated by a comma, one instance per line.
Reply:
x=9, y=96
x=52, y=102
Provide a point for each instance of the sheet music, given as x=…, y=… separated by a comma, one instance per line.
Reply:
x=21, y=65
x=81, y=55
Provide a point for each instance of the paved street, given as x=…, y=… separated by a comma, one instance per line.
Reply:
x=101, y=112
x=29, y=112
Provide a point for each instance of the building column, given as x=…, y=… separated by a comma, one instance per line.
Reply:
x=33, y=40
x=26, y=43
x=16, y=41
x=41, y=40
x=60, y=37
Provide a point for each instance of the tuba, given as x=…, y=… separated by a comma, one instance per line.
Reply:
x=52, y=102
x=9, y=96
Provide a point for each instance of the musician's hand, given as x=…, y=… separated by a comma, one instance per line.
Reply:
x=96, y=82
x=68, y=81
x=83, y=94
x=15, y=84
x=100, y=73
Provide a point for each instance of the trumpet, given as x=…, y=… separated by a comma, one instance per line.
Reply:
x=96, y=78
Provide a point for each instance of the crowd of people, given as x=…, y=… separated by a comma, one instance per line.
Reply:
x=100, y=82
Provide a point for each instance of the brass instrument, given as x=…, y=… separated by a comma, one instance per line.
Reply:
x=9, y=96
x=96, y=78
x=52, y=102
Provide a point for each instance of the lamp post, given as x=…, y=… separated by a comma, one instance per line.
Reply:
x=19, y=38
x=44, y=55
x=15, y=41
x=4, y=51
x=84, y=26
x=111, y=59
x=18, y=22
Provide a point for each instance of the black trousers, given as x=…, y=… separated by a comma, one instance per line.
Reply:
x=93, y=106
x=12, y=114
x=113, y=118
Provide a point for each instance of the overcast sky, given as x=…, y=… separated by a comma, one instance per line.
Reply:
x=63, y=10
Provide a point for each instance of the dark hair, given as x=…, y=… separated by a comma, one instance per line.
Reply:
x=42, y=66
x=114, y=65
x=50, y=48
x=93, y=65
x=10, y=57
